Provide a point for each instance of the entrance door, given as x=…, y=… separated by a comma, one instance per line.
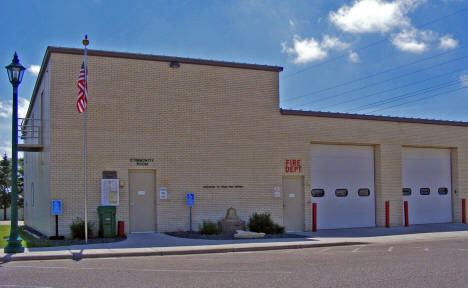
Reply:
x=142, y=200
x=293, y=203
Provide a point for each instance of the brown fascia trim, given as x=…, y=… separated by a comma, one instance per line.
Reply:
x=102, y=53
x=164, y=58
x=371, y=117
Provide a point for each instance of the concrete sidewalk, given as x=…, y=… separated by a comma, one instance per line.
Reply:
x=147, y=244
x=7, y=222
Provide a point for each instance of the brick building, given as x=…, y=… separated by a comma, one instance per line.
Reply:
x=168, y=126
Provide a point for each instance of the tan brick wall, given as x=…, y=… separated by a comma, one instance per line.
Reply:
x=388, y=179
x=209, y=126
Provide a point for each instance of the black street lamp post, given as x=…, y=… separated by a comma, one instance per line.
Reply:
x=15, y=74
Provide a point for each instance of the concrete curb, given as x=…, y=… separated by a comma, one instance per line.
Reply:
x=169, y=251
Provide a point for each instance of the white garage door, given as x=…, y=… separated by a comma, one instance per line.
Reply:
x=342, y=185
x=427, y=185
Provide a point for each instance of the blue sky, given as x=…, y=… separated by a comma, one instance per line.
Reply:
x=401, y=57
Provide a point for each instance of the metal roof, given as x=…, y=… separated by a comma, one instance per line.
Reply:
x=163, y=58
x=371, y=117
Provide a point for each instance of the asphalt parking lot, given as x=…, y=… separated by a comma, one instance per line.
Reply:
x=431, y=263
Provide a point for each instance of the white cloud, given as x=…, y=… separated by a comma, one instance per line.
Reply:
x=34, y=69
x=354, y=57
x=305, y=51
x=379, y=16
x=309, y=50
x=412, y=40
x=370, y=16
x=292, y=25
x=464, y=80
x=333, y=43
x=447, y=42
x=23, y=106
x=5, y=108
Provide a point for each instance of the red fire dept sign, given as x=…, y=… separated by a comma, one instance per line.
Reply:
x=293, y=166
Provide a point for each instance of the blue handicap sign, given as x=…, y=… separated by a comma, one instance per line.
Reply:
x=56, y=207
x=190, y=199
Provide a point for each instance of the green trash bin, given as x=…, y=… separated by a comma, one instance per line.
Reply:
x=107, y=224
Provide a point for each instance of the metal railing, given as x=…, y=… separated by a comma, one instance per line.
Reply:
x=29, y=130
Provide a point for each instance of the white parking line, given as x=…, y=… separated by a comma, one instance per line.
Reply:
x=22, y=286
x=390, y=249
x=324, y=250
x=424, y=248
x=141, y=270
x=357, y=249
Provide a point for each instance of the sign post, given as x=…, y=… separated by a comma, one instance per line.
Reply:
x=56, y=210
x=190, y=202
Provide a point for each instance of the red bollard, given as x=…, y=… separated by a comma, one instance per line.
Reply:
x=121, y=230
x=405, y=205
x=387, y=214
x=314, y=217
x=464, y=211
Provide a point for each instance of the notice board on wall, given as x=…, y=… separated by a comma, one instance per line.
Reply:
x=110, y=192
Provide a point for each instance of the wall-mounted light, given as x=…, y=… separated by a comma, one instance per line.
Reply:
x=174, y=64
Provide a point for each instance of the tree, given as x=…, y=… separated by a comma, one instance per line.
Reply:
x=5, y=198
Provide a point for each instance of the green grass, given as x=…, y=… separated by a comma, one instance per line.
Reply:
x=4, y=233
x=31, y=242
x=28, y=240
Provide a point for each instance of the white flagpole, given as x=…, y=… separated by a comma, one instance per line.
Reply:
x=85, y=43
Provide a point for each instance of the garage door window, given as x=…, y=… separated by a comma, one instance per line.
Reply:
x=406, y=191
x=425, y=191
x=341, y=192
x=443, y=191
x=363, y=192
x=317, y=192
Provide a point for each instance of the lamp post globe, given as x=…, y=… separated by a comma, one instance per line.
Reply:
x=15, y=74
x=15, y=71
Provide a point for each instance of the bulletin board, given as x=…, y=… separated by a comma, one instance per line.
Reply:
x=110, y=192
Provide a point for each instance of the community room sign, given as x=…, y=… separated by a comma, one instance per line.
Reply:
x=142, y=161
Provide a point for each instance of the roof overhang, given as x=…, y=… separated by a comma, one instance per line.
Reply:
x=371, y=117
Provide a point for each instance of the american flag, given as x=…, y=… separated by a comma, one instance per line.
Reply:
x=82, y=96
